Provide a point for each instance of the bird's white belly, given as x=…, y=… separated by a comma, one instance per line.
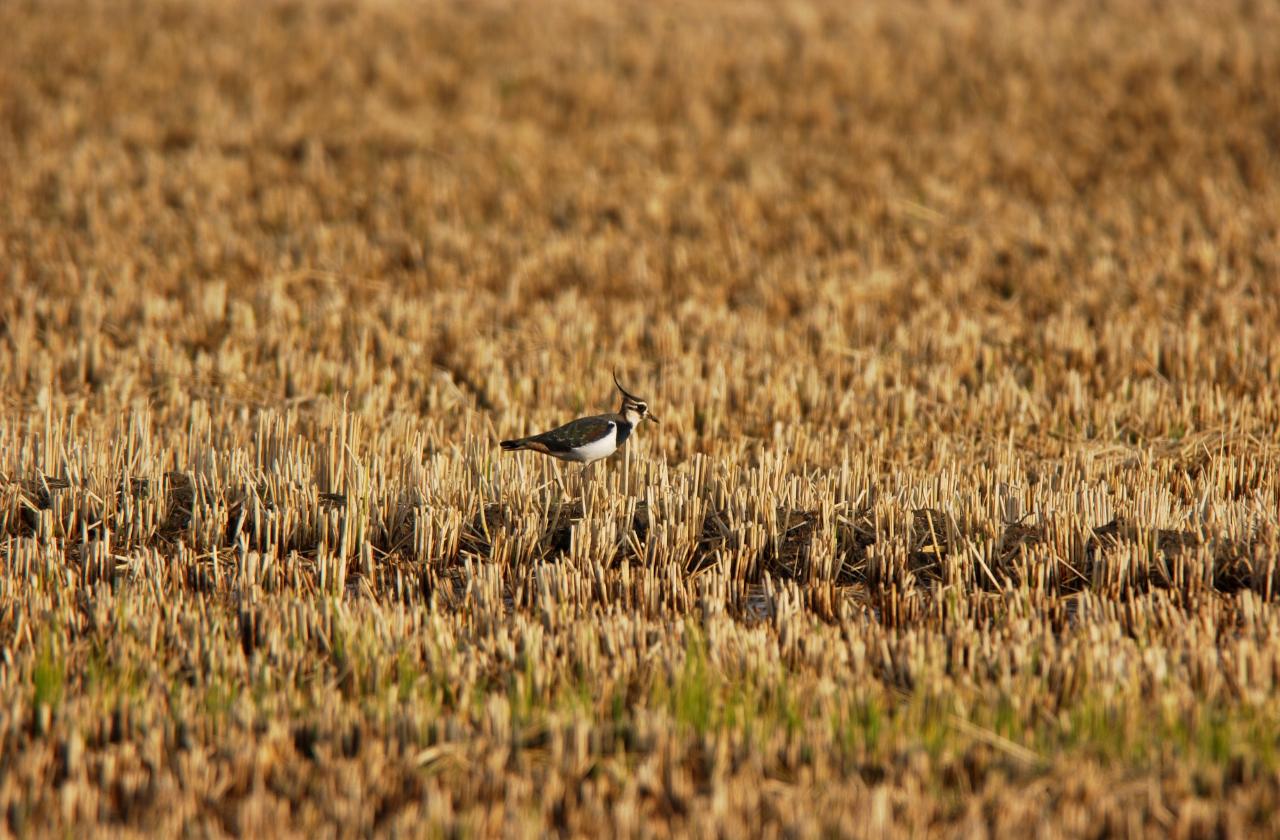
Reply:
x=594, y=451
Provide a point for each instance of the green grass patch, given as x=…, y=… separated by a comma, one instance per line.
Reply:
x=48, y=674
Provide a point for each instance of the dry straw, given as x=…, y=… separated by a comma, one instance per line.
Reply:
x=962, y=518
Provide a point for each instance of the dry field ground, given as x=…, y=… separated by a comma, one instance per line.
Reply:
x=960, y=318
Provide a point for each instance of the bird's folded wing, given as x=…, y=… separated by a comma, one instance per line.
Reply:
x=572, y=435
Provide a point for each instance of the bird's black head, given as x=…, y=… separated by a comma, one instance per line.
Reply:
x=633, y=408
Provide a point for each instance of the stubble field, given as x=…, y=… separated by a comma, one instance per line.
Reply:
x=960, y=319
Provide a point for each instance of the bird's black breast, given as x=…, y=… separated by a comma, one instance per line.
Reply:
x=624, y=431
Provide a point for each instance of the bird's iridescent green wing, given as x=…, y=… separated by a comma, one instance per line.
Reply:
x=577, y=433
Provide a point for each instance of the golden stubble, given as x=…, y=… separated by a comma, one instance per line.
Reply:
x=960, y=320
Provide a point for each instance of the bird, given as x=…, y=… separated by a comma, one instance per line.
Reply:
x=588, y=439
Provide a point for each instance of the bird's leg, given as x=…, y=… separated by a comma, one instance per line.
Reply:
x=555, y=468
x=584, y=489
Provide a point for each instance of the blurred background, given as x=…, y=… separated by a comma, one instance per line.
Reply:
x=273, y=200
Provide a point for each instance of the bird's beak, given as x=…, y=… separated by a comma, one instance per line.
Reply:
x=654, y=419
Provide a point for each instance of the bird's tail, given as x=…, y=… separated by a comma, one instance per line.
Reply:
x=510, y=445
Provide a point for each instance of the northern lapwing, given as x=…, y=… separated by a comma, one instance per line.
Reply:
x=588, y=439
